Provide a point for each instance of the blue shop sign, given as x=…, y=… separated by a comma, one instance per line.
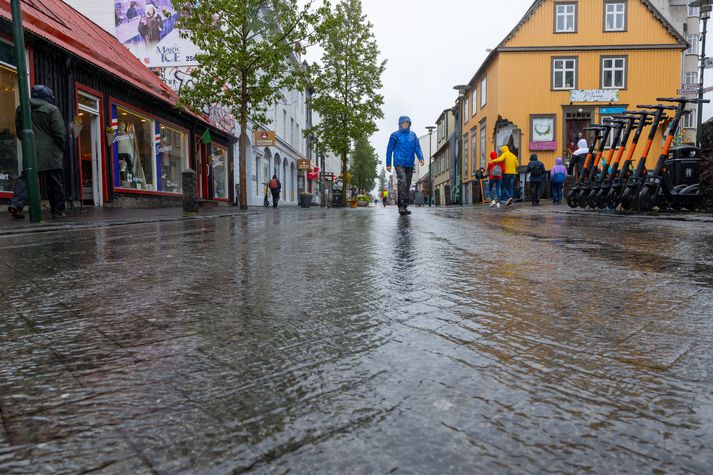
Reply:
x=611, y=110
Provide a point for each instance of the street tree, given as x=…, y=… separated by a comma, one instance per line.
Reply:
x=347, y=80
x=382, y=180
x=363, y=166
x=246, y=58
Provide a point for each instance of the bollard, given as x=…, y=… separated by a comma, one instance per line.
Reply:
x=190, y=200
x=706, y=165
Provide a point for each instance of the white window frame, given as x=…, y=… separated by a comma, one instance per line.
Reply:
x=466, y=116
x=483, y=92
x=474, y=100
x=565, y=11
x=616, y=14
x=563, y=69
x=613, y=68
x=694, y=12
x=690, y=75
x=689, y=120
x=694, y=41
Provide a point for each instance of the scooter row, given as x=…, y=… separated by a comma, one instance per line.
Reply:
x=619, y=183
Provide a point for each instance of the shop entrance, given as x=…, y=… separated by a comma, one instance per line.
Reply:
x=576, y=119
x=87, y=128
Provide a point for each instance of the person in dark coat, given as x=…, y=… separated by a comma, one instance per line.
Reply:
x=536, y=169
x=275, y=189
x=50, y=141
x=131, y=12
x=150, y=26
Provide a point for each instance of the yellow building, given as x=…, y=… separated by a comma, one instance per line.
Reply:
x=565, y=65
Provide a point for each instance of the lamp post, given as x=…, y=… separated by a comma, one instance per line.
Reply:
x=705, y=6
x=26, y=134
x=430, y=129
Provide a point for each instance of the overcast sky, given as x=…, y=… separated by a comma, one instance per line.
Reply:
x=432, y=45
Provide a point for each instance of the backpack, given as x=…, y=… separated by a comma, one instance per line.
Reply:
x=274, y=184
x=558, y=178
x=537, y=170
x=496, y=171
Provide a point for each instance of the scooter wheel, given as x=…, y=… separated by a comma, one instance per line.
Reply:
x=626, y=200
x=582, y=199
x=646, y=199
x=600, y=199
x=572, y=198
x=612, y=199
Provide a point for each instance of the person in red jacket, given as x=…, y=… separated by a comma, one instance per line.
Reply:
x=495, y=173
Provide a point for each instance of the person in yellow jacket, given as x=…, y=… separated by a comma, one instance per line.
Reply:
x=384, y=197
x=510, y=164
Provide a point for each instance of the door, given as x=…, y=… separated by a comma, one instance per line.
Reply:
x=87, y=126
x=575, y=121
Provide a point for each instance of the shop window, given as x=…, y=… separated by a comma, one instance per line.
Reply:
x=10, y=151
x=219, y=172
x=135, y=151
x=614, y=16
x=173, y=156
x=614, y=73
x=474, y=148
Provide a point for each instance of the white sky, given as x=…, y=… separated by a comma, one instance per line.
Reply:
x=425, y=42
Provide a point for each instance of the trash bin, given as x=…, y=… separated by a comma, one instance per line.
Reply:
x=337, y=199
x=305, y=200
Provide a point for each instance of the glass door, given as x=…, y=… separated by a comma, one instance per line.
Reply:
x=87, y=128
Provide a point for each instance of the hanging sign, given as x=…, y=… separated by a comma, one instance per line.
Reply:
x=303, y=164
x=264, y=138
x=594, y=95
x=708, y=63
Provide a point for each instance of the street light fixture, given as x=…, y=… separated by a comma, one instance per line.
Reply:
x=705, y=6
x=430, y=129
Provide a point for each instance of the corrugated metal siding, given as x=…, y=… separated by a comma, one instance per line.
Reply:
x=642, y=27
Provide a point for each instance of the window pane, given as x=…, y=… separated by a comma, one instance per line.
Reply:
x=10, y=152
x=607, y=81
x=569, y=79
x=173, y=154
x=219, y=172
x=570, y=23
x=560, y=23
x=570, y=64
x=558, y=80
x=135, y=141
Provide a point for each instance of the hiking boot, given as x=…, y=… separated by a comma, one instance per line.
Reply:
x=16, y=213
x=59, y=215
x=509, y=203
x=493, y=203
x=406, y=211
x=402, y=211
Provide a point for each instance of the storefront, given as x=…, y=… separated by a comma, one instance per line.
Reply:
x=128, y=140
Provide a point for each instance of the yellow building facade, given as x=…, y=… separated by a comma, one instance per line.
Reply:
x=566, y=65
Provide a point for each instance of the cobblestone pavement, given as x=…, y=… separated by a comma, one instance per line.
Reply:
x=357, y=341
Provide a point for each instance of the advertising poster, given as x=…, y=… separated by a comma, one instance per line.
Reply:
x=148, y=29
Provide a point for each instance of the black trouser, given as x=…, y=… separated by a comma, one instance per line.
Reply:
x=53, y=185
x=403, y=176
x=535, y=189
x=275, y=198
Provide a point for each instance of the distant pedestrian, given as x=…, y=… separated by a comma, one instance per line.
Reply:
x=275, y=189
x=495, y=173
x=558, y=175
x=480, y=174
x=537, y=171
x=510, y=164
x=50, y=132
x=402, y=149
x=384, y=197
x=579, y=156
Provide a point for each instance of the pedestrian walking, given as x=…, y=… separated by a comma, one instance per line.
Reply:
x=537, y=171
x=403, y=147
x=510, y=163
x=495, y=174
x=384, y=197
x=579, y=156
x=558, y=175
x=50, y=141
x=275, y=189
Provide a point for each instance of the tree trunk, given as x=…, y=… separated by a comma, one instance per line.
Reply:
x=243, y=146
x=344, y=174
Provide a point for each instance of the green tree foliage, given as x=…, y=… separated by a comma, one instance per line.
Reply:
x=347, y=80
x=382, y=180
x=363, y=166
x=246, y=60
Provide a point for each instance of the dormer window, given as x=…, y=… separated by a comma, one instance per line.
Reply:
x=614, y=16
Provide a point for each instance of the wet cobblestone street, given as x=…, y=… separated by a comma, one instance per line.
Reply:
x=356, y=341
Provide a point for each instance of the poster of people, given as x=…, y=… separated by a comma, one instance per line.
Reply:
x=148, y=29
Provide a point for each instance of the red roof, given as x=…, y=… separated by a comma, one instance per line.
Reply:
x=62, y=25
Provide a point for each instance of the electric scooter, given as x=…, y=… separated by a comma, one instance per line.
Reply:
x=627, y=122
x=574, y=192
x=591, y=187
x=649, y=194
x=629, y=197
x=613, y=198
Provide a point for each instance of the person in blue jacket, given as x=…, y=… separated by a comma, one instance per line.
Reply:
x=403, y=148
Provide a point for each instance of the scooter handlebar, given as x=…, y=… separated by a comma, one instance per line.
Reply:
x=683, y=100
x=657, y=107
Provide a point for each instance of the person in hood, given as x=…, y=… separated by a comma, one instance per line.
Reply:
x=150, y=26
x=275, y=189
x=536, y=169
x=579, y=156
x=403, y=148
x=510, y=163
x=558, y=175
x=495, y=175
x=50, y=141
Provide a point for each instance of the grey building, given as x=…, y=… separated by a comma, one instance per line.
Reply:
x=442, y=179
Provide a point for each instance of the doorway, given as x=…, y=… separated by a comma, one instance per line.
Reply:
x=87, y=128
x=576, y=119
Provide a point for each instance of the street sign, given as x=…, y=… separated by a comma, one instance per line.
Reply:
x=708, y=89
x=303, y=164
x=708, y=63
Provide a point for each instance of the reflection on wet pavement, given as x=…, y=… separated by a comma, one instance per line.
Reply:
x=357, y=341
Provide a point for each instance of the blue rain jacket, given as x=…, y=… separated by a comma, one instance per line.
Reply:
x=403, y=147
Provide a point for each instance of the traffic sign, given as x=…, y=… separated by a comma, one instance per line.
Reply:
x=708, y=63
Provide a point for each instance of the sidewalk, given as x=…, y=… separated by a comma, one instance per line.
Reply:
x=87, y=218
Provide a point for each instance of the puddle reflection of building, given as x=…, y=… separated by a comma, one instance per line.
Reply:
x=404, y=253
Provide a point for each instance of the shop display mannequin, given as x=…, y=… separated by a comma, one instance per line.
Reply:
x=129, y=153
